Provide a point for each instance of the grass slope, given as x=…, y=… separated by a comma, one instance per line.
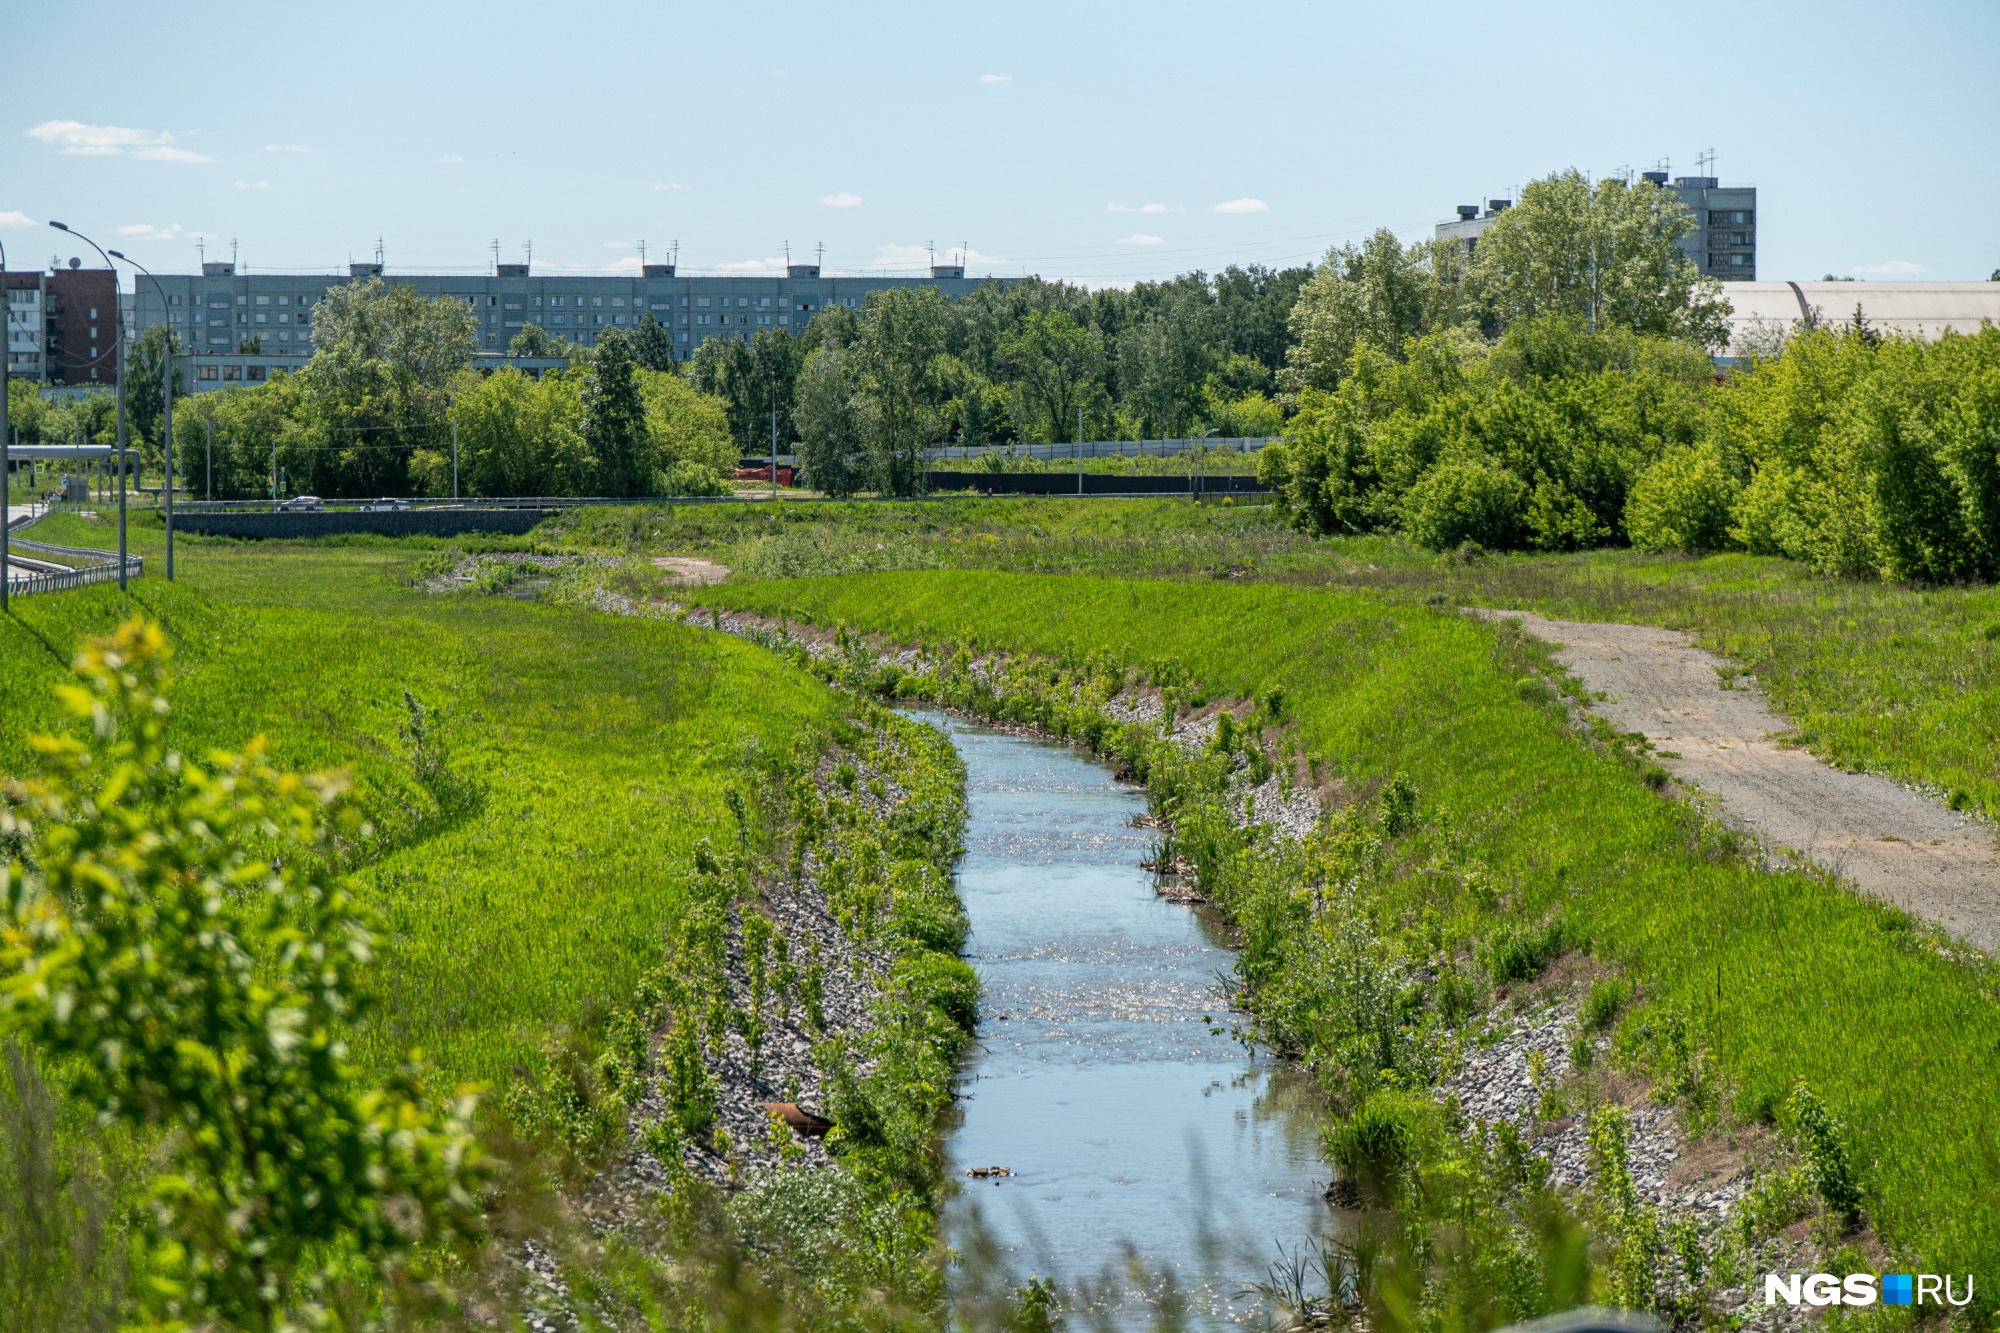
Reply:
x=605, y=748
x=1778, y=975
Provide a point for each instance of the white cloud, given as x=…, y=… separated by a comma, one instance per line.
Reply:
x=76, y=139
x=996, y=78
x=1141, y=238
x=1895, y=268
x=842, y=200
x=1142, y=208
x=14, y=217
x=286, y=148
x=629, y=264
x=668, y=185
x=451, y=157
x=253, y=185
x=1244, y=205
x=146, y=231
x=773, y=267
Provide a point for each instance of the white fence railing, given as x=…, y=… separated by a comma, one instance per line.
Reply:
x=1241, y=444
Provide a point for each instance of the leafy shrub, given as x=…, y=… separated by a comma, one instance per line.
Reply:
x=1524, y=953
x=1470, y=500
x=1399, y=807
x=1600, y=1007
x=1822, y=1139
x=944, y=983
x=924, y=909
x=1683, y=502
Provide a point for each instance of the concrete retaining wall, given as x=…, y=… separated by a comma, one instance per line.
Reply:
x=400, y=523
x=1094, y=483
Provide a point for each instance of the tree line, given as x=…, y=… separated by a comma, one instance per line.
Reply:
x=1554, y=390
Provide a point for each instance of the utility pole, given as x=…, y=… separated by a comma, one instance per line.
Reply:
x=208, y=480
x=774, y=418
x=1079, y=449
x=454, y=455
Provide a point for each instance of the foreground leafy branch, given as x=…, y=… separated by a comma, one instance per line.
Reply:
x=178, y=937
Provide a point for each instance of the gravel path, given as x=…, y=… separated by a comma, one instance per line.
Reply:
x=1719, y=735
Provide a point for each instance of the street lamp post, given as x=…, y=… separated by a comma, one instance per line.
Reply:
x=118, y=321
x=6, y=471
x=166, y=397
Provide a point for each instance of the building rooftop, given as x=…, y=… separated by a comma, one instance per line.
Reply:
x=1924, y=309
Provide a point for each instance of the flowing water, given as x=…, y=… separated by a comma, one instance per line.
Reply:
x=1106, y=1074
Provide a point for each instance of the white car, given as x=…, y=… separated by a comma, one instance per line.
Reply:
x=302, y=504
x=387, y=504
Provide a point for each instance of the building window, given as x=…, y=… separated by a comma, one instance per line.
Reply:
x=536, y=302
x=557, y=319
x=701, y=319
x=703, y=303
x=263, y=300
x=618, y=300
x=253, y=373
x=618, y=319
x=597, y=319
x=784, y=319
x=284, y=300
x=597, y=300
x=210, y=372
x=263, y=319
x=232, y=372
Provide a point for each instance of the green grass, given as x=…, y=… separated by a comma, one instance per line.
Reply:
x=1878, y=677
x=1782, y=975
x=606, y=747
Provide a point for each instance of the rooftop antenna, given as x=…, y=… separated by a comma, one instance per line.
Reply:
x=496, y=254
x=642, y=253
x=1705, y=162
x=819, y=256
x=232, y=252
x=677, y=252
x=378, y=250
x=788, y=254
x=964, y=253
x=201, y=249
x=528, y=250
x=932, y=247
x=1665, y=164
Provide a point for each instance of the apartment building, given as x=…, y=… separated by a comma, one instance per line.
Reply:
x=62, y=326
x=238, y=322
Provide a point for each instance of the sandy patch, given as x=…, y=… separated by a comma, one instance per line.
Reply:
x=690, y=572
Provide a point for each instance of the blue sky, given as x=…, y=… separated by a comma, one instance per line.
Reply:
x=1098, y=142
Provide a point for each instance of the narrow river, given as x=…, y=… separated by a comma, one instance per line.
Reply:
x=1106, y=1075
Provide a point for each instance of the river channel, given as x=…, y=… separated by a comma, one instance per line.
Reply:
x=1106, y=1074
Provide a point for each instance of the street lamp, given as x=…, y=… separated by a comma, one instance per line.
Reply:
x=118, y=320
x=166, y=397
x=6, y=472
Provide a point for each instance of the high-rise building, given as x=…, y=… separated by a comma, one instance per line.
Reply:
x=62, y=326
x=1724, y=242
x=220, y=311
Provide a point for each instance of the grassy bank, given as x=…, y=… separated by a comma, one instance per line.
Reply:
x=1750, y=979
x=535, y=843
x=1879, y=677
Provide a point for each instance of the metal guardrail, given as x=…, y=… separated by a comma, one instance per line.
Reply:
x=103, y=569
x=73, y=578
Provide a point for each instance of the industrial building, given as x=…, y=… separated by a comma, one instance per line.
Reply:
x=1762, y=314
x=1723, y=245
x=242, y=326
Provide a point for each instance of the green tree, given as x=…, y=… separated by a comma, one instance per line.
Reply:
x=378, y=387
x=145, y=387
x=1163, y=362
x=614, y=420
x=688, y=432
x=829, y=416
x=1604, y=254
x=1056, y=364
x=652, y=345
x=1378, y=295
x=519, y=435
x=178, y=934
x=534, y=340
x=897, y=352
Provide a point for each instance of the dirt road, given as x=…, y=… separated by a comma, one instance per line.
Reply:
x=1718, y=734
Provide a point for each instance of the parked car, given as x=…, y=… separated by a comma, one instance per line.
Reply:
x=385, y=504
x=302, y=504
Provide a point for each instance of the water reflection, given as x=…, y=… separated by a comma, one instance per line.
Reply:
x=1107, y=1075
